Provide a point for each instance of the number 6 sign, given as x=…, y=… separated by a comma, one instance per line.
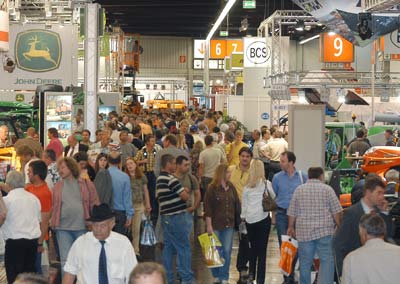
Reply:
x=335, y=48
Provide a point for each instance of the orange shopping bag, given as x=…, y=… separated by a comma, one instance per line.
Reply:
x=288, y=253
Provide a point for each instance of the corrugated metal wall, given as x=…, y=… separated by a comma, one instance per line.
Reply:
x=164, y=53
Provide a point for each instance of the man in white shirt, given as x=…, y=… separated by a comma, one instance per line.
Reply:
x=209, y=160
x=376, y=261
x=21, y=228
x=273, y=150
x=257, y=144
x=100, y=256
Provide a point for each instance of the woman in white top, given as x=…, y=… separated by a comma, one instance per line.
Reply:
x=258, y=222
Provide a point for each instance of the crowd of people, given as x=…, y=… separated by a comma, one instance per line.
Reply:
x=172, y=168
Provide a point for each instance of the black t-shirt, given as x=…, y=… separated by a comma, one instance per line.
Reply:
x=138, y=143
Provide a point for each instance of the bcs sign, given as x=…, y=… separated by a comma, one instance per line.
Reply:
x=257, y=53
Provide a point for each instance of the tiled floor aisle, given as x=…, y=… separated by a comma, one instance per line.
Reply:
x=203, y=275
x=273, y=275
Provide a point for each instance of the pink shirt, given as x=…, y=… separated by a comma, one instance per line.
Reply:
x=56, y=145
x=89, y=199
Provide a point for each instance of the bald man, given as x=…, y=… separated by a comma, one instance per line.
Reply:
x=74, y=147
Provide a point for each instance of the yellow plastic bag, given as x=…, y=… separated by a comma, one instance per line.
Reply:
x=288, y=253
x=212, y=249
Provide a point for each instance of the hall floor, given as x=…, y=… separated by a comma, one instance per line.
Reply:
x=202, y=273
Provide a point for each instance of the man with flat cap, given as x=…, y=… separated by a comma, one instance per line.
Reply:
x=100, y=256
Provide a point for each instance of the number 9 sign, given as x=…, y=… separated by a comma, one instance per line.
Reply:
x=335, y=48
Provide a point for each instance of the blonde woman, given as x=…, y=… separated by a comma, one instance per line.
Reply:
x=182, y=143
x=140, y=199
x=222, y=194
x=258, y=222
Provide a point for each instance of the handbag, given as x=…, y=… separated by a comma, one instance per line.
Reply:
x=212, y=250
x=148, y=237
x=288, y=253
x=268, y=203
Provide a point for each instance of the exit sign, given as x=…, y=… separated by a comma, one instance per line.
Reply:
x=249, y=4
x=223, y=33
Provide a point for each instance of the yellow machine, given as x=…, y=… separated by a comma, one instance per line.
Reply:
x=160, y=102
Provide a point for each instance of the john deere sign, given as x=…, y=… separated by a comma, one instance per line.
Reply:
x=38, y=50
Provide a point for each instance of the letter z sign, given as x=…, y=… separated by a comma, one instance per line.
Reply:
x=257, y=53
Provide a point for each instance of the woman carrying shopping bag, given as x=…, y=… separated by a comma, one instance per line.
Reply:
x=258, y=221
x=140, y=199
x=222, y=207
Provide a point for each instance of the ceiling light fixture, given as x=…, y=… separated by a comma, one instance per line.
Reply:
x=221, y=17
x=299, y=26
x=24, y=19
x=331, y=33
x=302, y=96
x=309, y=39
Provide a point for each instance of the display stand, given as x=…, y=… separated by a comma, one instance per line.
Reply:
x=306, y=135
x=59, y=110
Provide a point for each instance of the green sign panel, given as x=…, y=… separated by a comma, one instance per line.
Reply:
x=223, y=33
x=249, y=4
x=38, y=50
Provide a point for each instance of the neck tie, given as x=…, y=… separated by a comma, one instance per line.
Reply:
x=72, y=152
x=103, y=278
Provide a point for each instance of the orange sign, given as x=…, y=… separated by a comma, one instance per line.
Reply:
x=335, y=48
x=234, y=45
x=218, y=49
x=395, y=57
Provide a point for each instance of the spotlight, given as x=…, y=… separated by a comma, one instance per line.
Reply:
x=299, y=26
x=364, y=25
x=302, y=96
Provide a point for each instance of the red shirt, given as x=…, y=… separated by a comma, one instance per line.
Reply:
x=43, y=193
x=56, y=145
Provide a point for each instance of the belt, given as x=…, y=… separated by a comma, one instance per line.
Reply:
x=281, y=210
x=274, y=162
x=119, y=211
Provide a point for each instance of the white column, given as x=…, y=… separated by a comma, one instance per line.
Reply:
x=206, y=74
x=91, y=66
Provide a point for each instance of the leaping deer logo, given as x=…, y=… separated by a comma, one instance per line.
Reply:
x=37, y=53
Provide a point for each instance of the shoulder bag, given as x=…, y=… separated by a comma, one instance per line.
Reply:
x=268, y=203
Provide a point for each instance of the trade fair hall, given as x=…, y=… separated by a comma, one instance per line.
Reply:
x=199, y=142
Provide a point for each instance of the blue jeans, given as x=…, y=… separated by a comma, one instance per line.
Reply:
x=38, y=263
x=226, y=238
x=282, y=222
x=323, y=248
x=65, y=240
x=176, y=230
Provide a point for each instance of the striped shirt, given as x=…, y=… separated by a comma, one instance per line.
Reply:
x=168, y=189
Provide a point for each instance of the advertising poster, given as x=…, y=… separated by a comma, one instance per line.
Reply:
x=59, y=115
x=345, y=17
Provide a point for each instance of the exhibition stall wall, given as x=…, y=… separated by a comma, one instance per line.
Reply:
x=42, y=56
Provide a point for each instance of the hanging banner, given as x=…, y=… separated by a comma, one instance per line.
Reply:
x=4, y=26
x=346, y=17
x=41, y=56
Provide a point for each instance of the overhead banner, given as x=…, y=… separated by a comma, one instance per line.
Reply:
x=4, y=26
x=41, y=56
x=345, y=17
